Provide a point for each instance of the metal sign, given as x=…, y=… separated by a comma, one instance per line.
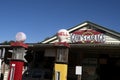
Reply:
x=78, y=70
x=87, y=36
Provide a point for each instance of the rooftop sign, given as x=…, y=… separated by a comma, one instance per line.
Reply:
x=87, y=36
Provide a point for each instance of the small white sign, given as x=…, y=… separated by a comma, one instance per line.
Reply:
x=78, y=70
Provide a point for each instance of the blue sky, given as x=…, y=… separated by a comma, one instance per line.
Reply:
x=40, y=19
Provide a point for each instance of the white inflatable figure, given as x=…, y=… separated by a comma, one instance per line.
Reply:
x=63, y=35
x=20, y=37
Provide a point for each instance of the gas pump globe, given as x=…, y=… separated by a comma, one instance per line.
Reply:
x=63, y=35
x=17, y=61
x=62, y=49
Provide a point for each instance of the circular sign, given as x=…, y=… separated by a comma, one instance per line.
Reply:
x=20, y=36
x=63, y=35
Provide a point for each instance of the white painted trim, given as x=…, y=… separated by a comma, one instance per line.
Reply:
x=78, y=27
x=50, y=39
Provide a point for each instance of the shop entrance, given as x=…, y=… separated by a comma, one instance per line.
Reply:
x=88, y=61
x=96, y=65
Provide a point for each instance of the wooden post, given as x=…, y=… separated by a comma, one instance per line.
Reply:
x=79, y=77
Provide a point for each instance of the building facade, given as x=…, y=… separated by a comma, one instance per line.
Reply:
x=93, y=47
x=96, y=49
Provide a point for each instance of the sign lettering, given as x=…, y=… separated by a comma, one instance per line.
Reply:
x=89, y=36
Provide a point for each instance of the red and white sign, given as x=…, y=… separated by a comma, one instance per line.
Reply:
x=87, y=36
x=63, y=35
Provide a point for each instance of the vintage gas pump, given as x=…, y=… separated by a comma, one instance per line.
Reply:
x=62, y=48
x=17, y=61
x=2, y=63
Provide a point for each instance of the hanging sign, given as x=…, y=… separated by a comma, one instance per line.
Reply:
x=87, y=36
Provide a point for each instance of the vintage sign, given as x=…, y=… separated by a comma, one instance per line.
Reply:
x=63, y=35
x=87, y=36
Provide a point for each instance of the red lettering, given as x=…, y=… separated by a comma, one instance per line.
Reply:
x=62, y=34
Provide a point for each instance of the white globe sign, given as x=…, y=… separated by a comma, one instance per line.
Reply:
x=20, y=36
x=63, y=35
